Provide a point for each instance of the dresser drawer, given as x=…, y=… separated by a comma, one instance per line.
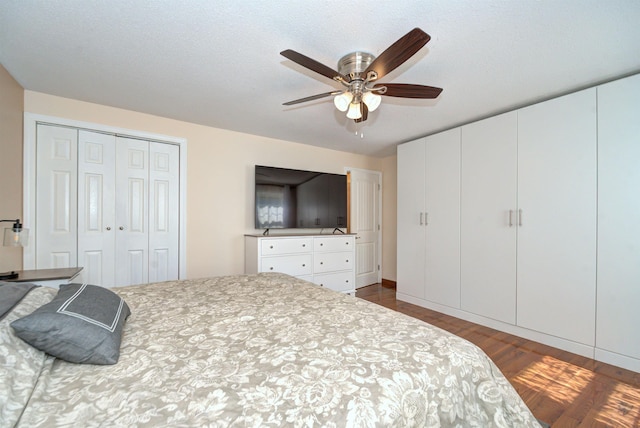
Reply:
x=295, y=265
x=270, y=247
x=329, y=262
x=339, y=243
x=340, y=281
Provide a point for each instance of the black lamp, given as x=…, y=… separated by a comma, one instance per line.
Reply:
x=16, y=236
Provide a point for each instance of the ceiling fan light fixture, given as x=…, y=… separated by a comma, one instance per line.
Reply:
x=371, y=100
x=343, y=100
x=354, y=111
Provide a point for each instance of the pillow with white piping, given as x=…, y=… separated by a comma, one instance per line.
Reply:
x=82, y=324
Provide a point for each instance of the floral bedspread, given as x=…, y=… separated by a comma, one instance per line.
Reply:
x=269, y=350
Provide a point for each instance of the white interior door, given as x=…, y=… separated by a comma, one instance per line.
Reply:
x=618, y=315
x=557, y=183
x=132, y=211
x=442, y=218
x=488, y=217
x=366, y=224
x=411, y=245
x=164, y=177
x=56, y=197
x=96, y=207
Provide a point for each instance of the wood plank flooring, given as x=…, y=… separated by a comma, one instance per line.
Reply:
x=560, y=388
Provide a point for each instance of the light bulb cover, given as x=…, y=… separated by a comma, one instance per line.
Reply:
x=342, y=101
x=371, y=100
x=354, y=111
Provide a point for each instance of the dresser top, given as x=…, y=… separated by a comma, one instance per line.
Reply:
x=299, y=235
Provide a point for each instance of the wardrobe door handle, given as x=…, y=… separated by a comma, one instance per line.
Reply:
x=421, y=221
x=426, y=219
x=510, y=218
x=519, y=217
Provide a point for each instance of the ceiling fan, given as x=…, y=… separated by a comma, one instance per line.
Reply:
x=359, y=72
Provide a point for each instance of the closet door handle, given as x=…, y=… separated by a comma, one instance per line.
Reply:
x=426, y=218
x=122, y=228
x=510, y=218
x=421, y=219
x=519, y=217
x=108, y=227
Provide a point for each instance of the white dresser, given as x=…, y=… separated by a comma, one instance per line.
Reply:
x=326, y=260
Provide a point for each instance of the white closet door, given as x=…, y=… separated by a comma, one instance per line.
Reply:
x=619, y=217
x=132, y=211
x=557, y=195
x=488, y=217
x=56, y=197
x=365, y=222
x=164, y=200
x=96, y=207
x=442, y=218
x=410, y=219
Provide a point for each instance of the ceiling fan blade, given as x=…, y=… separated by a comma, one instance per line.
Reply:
x=399, y=52
x=313, y=65
x=405, y=90
x=311, y=98
x=365, y=113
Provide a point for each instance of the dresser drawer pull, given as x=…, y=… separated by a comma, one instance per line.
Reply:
x=271, y=247
x=303, y=265
x=321, y=263
x=271, y=268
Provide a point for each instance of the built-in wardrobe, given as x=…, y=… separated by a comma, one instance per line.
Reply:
x=106, y=202
x=529, y=222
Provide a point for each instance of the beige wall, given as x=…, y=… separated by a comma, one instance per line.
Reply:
x=389, y=217
x=11, y=107
x=220, y=176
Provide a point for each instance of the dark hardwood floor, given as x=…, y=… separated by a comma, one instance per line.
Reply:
x=560, y=388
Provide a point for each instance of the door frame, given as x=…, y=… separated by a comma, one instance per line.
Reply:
x=31, y=120
x=378, y=209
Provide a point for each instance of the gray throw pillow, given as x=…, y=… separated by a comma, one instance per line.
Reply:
x=82, y=324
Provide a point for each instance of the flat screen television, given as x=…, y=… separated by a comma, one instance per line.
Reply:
x=292, y=199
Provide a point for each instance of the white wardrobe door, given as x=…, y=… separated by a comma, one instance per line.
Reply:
x=410, y=218
x=619, y=217
x=96, y=207
x=132, y=211
x=557, y=196
x=488, y=217
x=164, y=200
x=56, y=197
x=442, y=218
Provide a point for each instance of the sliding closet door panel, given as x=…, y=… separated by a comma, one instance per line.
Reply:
x=96, y=207
x=164, y=200
x=488, y=217
x=56, y=197
x=442, y=218
x=557, y=185
x=619, y=217
x=410, y=219
x=132, y=211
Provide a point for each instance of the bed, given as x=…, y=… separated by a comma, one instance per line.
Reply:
x=264, y=350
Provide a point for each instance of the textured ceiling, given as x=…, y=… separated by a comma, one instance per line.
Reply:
x=217, y=63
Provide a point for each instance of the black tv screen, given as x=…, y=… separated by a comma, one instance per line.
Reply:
x=291, y=198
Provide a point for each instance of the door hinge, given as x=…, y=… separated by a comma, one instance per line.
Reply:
x=379, y=187
x=378, y=227
x=378, y=267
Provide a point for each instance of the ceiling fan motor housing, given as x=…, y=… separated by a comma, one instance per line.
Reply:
x=354, y=64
